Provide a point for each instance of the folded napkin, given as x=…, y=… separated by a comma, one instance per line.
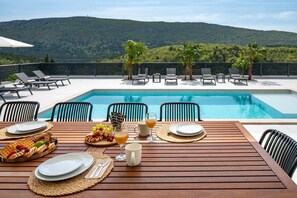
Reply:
x=97, y=175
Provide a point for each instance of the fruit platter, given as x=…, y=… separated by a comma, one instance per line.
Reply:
x=29, y=148
x=101, y=135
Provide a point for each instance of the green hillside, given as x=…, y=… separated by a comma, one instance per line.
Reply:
x=84, y=39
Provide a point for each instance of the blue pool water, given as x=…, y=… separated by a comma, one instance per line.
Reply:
x=213, y=105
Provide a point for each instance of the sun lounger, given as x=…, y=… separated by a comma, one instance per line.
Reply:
x=234, y=74
x=207, y=76
x=141, y=76
x=25, y=80
x=14, y=89
x=171, y=75
x=43, y=77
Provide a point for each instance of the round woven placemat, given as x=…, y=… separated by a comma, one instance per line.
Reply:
x=7, y=136
x=164, y=134
x=69, y=186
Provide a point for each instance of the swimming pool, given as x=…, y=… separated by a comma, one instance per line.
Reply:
x=213, y=104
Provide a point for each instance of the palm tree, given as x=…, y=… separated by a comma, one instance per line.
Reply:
x=134, y=51
x=250, y=54
x=188, y=54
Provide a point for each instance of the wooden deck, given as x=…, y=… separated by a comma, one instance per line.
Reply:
x=227, y=163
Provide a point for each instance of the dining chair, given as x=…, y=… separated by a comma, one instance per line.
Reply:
x=282, y=148
x=180, y=111
x=72, y=112
x=133, y=111
x=19, y=111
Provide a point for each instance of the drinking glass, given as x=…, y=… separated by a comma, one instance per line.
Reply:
x=151, y=120
x=121, y=138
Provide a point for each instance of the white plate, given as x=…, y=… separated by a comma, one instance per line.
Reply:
x=26, y=127
x=188, y=128
x=60, y=165
x=173, y=127
x=87, y=161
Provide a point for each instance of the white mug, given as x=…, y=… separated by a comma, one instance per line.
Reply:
x=133, y=154
x=143, y=130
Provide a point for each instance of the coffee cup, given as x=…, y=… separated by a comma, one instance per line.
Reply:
x=133, y=154
x=141, y=129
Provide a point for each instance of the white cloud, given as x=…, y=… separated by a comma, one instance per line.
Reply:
x=288, y=15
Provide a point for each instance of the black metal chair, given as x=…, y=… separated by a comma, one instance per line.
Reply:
x=72, y=112
x=282, y=148
x=180, y=111
x=133, y=111
x=19, y=111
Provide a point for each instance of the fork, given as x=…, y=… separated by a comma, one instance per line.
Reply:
x=98, y=164
x=103, y=164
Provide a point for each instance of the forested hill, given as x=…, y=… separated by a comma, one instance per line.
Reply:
x=79, y=39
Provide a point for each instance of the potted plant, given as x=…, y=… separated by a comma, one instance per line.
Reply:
x=134, y=51
x=188, y=54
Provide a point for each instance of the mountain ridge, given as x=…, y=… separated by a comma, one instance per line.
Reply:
x=86, y=39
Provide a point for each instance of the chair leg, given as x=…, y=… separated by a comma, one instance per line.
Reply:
x=62, y=82
x=69, y=81
x=56, y=84
x=17, y=92
x=48, y=87
x=30, y=91
x=2, y=98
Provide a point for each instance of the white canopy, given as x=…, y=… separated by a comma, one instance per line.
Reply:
x=6, y=42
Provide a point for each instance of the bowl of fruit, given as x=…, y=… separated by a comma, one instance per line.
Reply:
x=101, y=135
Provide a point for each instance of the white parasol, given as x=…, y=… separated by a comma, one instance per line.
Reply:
x=6, y=42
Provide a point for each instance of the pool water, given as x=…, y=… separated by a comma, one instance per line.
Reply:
x=213, y=105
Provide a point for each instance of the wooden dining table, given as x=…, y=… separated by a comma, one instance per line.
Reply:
x=228, y=162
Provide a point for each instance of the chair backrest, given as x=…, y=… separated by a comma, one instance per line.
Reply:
x=180, y=111
x=72, y=112
x=170, y=71
x=19, y=111
x=39, y=73
x=23, y=77
x=233, y=71
x=282, y=148
x=140, y=73
x=133, y=111
x=206, y=71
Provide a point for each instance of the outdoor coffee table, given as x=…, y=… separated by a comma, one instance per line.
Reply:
x=156, y=78
x=220, y=76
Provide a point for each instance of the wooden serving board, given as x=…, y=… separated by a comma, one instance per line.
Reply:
x=103, y=142
x=35, y=156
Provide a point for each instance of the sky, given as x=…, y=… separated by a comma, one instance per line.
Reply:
x=253, y=14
